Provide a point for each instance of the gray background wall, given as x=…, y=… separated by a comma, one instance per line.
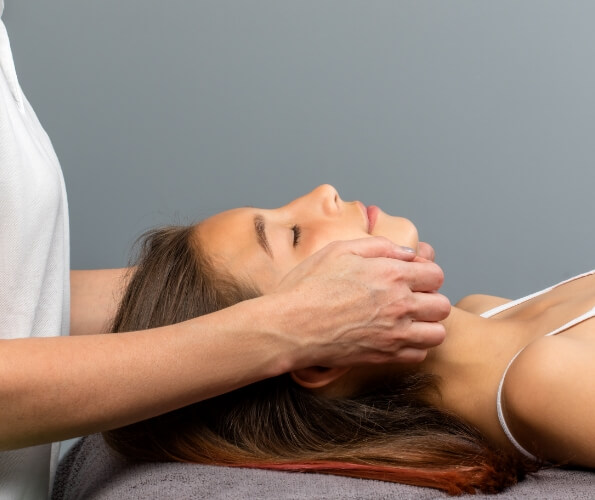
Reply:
x=473, y=118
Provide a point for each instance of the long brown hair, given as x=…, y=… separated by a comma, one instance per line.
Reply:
x=388, y=432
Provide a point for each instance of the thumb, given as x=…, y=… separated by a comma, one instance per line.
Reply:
x=378, y=246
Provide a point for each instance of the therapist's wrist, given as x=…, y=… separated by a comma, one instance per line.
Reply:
x=288, y=325
x=264, y=327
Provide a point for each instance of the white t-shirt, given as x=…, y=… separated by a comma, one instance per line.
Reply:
x=34, y=255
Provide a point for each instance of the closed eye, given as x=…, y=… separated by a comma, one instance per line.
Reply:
x=297, y=232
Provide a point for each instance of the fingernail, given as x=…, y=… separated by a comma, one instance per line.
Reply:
x=407, y=249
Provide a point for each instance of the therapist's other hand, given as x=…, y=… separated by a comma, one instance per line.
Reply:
x=361, y=301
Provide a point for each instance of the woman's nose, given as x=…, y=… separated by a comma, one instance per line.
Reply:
x=328, y=199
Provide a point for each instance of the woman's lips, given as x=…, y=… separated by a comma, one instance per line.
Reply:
x=364, y=211
x=372, y=212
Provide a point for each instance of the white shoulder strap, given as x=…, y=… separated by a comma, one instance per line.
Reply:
x=583, y=317
x=514, y=303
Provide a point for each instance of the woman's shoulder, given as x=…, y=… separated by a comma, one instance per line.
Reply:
x=548, y=399
x=478, y=303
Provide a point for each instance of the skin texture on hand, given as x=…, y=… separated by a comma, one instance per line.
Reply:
x=362, y=301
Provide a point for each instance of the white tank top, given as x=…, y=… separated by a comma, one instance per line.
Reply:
x=34, y=254
x=492, y=312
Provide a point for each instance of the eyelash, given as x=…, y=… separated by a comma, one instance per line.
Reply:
x=297, y=232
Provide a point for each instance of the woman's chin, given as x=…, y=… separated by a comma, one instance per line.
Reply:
x=397, y=229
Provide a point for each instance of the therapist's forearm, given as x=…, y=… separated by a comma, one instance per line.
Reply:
x=57, y=388
x=352, y=302
x=94, y=297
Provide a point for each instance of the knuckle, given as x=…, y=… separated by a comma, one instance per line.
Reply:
x=403, y=307
x=397, y=272
x=335, y=246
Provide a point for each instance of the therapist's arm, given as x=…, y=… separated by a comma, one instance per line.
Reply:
x=94, y=298
x=351, y=303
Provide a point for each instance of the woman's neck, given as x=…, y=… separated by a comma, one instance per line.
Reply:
x=473, y=342
x=470, y=363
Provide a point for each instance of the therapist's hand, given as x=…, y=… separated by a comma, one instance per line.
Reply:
x=361, y=301
x=425, y=251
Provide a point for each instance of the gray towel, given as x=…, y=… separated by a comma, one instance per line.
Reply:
x=92, y=471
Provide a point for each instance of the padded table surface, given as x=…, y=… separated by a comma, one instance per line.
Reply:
x=92, y=471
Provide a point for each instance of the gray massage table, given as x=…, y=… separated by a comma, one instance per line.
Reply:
x=92, y=471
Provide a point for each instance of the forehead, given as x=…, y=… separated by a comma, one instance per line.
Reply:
x=230, y=240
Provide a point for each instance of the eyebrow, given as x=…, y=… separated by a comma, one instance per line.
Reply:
x=261, y=236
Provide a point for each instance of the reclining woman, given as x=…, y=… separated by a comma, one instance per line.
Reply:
x=497, y=400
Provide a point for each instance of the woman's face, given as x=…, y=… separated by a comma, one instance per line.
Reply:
x=264, y=245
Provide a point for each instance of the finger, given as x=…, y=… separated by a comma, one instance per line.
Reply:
x=418, y=276
x=426, y=251
x=374, y=247
x=418, y=258
x=429, y=307
x=410, y=355
x=425, y=276
x=423, y=335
